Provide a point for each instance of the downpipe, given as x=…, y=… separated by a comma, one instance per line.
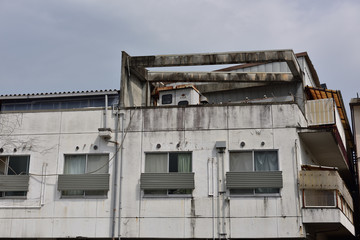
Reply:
x=121, y=172
x=115, y=173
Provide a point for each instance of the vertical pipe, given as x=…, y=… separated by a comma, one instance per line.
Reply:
x=121, y=173
x=223, y=193
x=105, y=111
x=218, y=195
x=212, y=189
x=115, y=179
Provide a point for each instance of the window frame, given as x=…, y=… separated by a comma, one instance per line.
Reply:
x=254, y=193
x=147, y=194
x=6, y=173
x=84, y=195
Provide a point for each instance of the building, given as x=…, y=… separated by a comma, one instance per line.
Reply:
x=255, y=151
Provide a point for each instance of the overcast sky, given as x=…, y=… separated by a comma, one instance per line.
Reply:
x=75, y=45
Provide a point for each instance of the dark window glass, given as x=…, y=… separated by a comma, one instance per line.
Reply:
x=14, y=165
x=18, y=165
x=166, y=99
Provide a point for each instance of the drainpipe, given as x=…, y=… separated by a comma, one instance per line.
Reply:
x=105, y=111
x=223, y=191
x=211, y=193
x=121, y=173
x=115, y=174
x=220, y=147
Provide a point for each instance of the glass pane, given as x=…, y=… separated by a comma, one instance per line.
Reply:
x=156, y=162
x=266, y=161
x=317, y=198
x=166, y=99
x=179, y=162
x=74, y=164
x=18, y=165
x=242, y=191
x=21, y=107
x=97, y=102
x=241, y=162
x=15, y=194
x=3, y=162
x=179, y=191
x=98, y=163
x=155, y=192
x=95, y=193
x=267, y=190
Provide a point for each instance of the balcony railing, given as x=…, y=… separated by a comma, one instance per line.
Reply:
x=325, y=189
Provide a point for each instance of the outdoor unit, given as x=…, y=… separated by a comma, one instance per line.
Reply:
x=179, y=95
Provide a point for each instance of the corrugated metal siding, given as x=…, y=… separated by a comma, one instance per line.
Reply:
x=83, y=182
x=246, y=180
x=167, y=181
x=14, y=183
x=319, y=112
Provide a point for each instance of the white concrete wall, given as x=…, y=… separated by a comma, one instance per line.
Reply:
x=197, y=129
x=47, y=136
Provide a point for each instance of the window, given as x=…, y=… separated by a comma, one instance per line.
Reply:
x=173, y=162
x=86, y=166
x=14, y=166
x=166, y=99
x=319, y=198
x=254, y=161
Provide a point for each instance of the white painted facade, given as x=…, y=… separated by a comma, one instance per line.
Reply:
x=47, y=136
x=211, y=210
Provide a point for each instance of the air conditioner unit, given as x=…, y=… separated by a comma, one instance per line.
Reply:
x=179, y=95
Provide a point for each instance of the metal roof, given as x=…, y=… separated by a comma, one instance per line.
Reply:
x=58, y=94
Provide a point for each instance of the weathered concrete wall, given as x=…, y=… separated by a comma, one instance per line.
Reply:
x=197, y=129
x=47, y=136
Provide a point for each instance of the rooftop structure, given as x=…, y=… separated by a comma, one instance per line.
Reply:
x=259, y=150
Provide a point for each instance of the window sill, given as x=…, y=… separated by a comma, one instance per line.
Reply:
x=84, y=197
x=274, y=195
x=13, y=198
x=168, y=196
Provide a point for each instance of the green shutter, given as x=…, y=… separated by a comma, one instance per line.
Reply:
x=246, y=180
x=167, y=181
x=13, y=183
x=83, y=182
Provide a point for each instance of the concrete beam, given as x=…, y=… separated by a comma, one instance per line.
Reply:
x=293, y=64
x=139, y=72
x=212, y=58
x=218, y=77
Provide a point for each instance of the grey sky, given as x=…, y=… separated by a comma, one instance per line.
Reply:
x=71, y=45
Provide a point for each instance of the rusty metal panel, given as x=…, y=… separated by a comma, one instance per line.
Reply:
x=14, y=183
x=167, y=181
x=246, y=180
x=325, y=180
x=320, y=112
x=83, y=182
